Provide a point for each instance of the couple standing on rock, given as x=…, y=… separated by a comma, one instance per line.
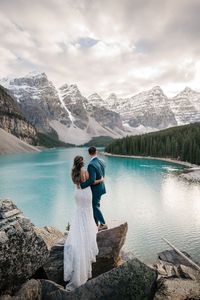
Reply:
x=81, y=248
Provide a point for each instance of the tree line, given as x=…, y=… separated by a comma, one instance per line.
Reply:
x=180, y=142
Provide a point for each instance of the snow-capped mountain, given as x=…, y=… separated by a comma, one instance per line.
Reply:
x=38, y=99
x=66, y=111
x=76, y=119
x=186, y=106
x=96, y=100
x=145, y=111
x=153, y=110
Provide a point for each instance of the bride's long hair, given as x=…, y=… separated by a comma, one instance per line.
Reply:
x=76, y=169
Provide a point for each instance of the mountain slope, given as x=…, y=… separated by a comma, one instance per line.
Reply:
x=13, y=121
x=66, y=111
x=38, y=99
x=186, y=106
x=149, y=109
x=12, y=144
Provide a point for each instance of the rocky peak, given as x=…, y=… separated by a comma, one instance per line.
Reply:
x=39, y=100
x=187, y=92
x=70, y=90
x=31, y=80
x=112, y=97
x=96, y=100
x=157, y=90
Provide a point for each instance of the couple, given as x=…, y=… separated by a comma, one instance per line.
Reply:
x=81, y=248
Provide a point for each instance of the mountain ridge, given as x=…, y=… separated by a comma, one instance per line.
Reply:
x=77, y=119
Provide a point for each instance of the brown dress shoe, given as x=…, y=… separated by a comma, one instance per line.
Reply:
x=102, y=227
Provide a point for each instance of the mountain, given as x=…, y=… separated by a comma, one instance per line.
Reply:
x=186, y=106
x=66, y=115
x=38, y=99
x=152, y=110
x=65, y=111
x=147, y=111
x=88, y=120
x=13, y=121
x=96, y=100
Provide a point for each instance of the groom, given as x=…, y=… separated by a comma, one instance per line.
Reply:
x=96, y=170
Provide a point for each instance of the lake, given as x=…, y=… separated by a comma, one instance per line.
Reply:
x=146, y=193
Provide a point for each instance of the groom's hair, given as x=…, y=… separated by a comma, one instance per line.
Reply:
x=92, y=150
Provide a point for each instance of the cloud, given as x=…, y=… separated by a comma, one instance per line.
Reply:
x=121, y=46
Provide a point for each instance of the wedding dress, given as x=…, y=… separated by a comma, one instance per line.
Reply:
x=80, y=247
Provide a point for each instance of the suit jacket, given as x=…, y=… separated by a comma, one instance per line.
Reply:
x=96, y=170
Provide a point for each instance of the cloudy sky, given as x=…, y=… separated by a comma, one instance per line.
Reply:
x=104, y=46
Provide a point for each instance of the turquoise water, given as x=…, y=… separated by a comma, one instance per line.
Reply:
x=145, y=193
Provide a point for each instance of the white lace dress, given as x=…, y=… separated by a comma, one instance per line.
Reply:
x=80, y=248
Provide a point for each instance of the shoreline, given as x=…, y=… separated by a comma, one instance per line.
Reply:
x=179, y=162
x=191, y=172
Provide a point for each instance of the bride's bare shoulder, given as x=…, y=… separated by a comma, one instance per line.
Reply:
x=84, y=175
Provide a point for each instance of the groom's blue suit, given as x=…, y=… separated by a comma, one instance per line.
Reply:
x=96, y=170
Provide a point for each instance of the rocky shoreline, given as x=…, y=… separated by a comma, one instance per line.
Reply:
x=191, y=173
x=31, y=266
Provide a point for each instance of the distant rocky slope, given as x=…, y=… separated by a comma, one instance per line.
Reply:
x=76, y=119
x=13, y=121
x=152, y=110
x=65, y=111
x=11, y=144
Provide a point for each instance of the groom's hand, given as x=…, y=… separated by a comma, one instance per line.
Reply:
x=91, y=179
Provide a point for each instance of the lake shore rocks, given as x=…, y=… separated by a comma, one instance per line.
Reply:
x=177, y=278
x=109, y=242
x=31, y=266
x=131, y=280
x=22, y=249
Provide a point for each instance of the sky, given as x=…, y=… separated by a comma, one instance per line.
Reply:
x=103, y=46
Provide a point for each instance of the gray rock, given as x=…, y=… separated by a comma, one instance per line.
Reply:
x=132, y=280
x=188, y=272
x=109, y=241
x=22, y=249
x=31, y=290
x=177, y=289
x=50, y=235
x=174, y=258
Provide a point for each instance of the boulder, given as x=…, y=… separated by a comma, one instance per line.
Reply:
x=171, y=264
x=50, y=235
x=131, y=280
x=31, y=290
x=171, y=256
x=109, y=241
x=177, y=289
x=22, y=249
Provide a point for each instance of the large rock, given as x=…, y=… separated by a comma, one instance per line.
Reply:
x=109, y=241
x=22, y=249
x=30, y=290
x=132, y=280
x=171, y=256
x=171, y=264
x=177, y=289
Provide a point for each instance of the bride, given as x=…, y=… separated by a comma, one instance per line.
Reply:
x=80, y=247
